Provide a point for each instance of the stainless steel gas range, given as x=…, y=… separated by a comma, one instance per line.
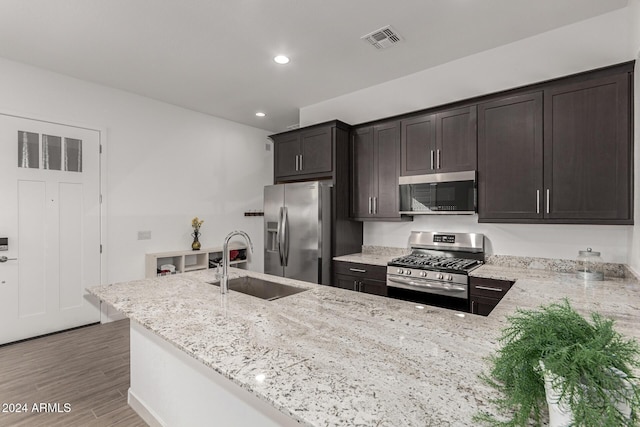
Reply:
x=438, y=265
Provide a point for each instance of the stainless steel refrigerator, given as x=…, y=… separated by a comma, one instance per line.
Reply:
x=297, y=227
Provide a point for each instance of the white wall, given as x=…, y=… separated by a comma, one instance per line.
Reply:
x=597, y=42
x=165, y=165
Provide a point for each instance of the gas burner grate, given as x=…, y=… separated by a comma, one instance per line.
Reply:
x=430, y=261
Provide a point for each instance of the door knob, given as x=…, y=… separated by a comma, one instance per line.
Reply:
x=5, y=259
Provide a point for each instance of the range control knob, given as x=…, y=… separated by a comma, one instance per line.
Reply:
x=449, y=277
x=400, y=271
x=423, y=274
x=408, y=273
x=439, y=276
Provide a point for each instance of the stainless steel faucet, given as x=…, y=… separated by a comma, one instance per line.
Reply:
x=224, y=279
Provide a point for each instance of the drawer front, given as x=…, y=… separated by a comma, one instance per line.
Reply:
x=375, y=272
x=490, y=288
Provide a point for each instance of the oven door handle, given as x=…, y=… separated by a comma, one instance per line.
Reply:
x=412, y=284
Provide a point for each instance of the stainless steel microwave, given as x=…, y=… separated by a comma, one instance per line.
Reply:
x=440, y=194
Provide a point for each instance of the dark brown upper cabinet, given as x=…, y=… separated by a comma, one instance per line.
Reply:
x=442, y=141
x=304, y=154
x=321, y=152
x=510, y=158
x=587, y=150
x=562, y=154
x=375, y=168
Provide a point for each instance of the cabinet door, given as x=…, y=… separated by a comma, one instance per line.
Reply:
x=362, y=173
x=286, y=150
x=316, y=151
x=588, y=150
x=375, y=287
x=483, y=305
x=345, y=282
x=456, y=140
x=418, y=145
x=510, y=158
x=386, y=138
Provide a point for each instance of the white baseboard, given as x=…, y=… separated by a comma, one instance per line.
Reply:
x=109, y=314
x=145, y=413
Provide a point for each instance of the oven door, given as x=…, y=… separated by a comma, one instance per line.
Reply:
x=455, y=290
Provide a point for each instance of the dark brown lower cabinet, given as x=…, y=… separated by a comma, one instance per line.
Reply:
x=370, y=279
x=485, y=294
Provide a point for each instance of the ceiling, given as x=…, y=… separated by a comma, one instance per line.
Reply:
x=216, y=56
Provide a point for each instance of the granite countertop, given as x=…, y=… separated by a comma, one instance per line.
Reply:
x=374, y=255
x=335, y=357
x=615, y=297
x=362, y=258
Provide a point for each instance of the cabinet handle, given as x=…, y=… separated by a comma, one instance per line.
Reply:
x=537, y=201
x=370, y=209
x=489, y=288
x=375, y=205
x=357, y=270
x=355, y=285
x=431, y=159
x=301, y=164
x=547, y=200
x=438, y=157
x=297, y=163
x=359, y=286
x=472, y=307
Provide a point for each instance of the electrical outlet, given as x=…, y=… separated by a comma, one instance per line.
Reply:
x=144, y=235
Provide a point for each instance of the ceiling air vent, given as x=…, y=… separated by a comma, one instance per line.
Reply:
x=382, y=38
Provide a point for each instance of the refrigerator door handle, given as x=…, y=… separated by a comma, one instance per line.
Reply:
x=285, y=235
x=279, y=234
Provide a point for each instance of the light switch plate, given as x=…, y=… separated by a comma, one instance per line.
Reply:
x=144, y=235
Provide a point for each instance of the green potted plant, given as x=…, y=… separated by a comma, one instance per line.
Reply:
x=587, y=364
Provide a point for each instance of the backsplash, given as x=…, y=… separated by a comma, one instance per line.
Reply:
x=384, y=250
x=549, y=264
x=521, y=262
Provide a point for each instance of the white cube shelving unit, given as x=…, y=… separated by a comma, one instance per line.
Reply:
x=188, y=260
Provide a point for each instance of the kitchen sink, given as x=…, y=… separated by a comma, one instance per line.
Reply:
x=261, y=288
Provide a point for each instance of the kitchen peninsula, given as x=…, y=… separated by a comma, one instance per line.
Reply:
x=329, y=357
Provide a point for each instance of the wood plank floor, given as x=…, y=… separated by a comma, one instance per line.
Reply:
x=86, y=368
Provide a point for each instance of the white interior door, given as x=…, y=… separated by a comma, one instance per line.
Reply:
x=50, y=213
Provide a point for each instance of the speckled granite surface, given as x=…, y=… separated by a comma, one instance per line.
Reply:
x=616, y=298
x=362, y=258
x=385, y=250
x=333, y=357
x=551, y=264
x=374, y=255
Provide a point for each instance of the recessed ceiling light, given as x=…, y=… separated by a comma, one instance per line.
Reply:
x=281, y=59
x=260, y=114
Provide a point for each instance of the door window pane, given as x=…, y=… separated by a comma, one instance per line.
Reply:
x=28, y=156
x=52, y=152
x=73, y=155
